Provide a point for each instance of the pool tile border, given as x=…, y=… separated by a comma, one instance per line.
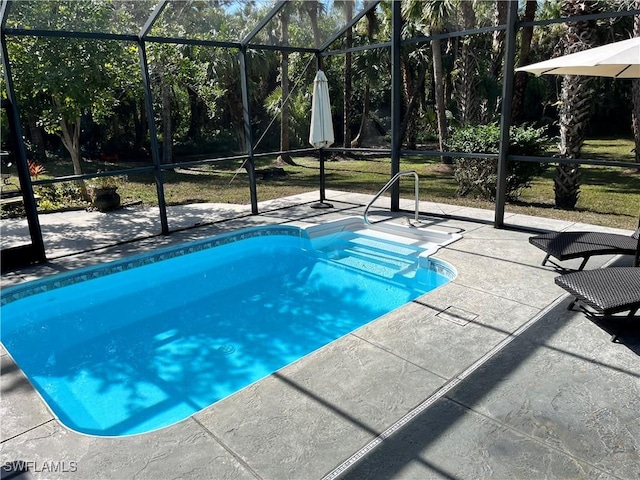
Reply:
x=35, y=287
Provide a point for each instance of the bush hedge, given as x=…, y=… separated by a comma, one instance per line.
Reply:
x=478, y=176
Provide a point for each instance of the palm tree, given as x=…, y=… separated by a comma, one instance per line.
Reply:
x=167, y=126
x=284, y=84
x=313, y=7
x=368, y=67
x=437, y=12
x=347, y=85
x=434, y=13
x=575, y=105
x=521, y=78
x=497, y=50
x=467, y=79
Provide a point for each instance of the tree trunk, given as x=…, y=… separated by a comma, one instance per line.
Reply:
x=441, y=113
x=140, y=125
x=348, y=90
x=574, y=111
x=521, y=78
x=467, y=81
x=566, y=185
x=37, y=137
x=116, y=128
x=71, y=141
x=497, y=50
x=575, y=104
x=284, y=87
x=357, y=142
x=312, y=8
x=167, y=131
x=407, y=90
x=194, y=114
x=408, y=125
x=497, y=55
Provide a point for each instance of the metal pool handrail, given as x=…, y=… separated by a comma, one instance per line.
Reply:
x=388, y=184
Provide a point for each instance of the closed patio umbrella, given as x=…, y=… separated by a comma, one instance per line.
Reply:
x=321, y=133
x=617, y=60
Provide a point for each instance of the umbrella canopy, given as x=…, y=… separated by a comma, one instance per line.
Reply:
x=321, y=134
x=618, y=59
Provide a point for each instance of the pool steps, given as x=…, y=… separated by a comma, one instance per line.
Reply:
x=373, y=259
x=395, y=267
x=392, y=251
x=427, y=239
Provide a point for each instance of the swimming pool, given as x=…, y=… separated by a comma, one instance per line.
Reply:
x=135, y=345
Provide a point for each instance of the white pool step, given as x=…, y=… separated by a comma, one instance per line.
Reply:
x=389, y=250
x=425, y=238
x=374, y=255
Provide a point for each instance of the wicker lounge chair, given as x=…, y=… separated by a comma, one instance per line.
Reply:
x=607, y=291
x=568, y=245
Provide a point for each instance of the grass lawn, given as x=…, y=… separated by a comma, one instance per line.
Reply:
x=609, y=196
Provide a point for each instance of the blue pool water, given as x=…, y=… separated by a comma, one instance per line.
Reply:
x=140, y=344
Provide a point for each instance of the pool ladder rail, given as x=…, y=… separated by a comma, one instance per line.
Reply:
x=393, y=180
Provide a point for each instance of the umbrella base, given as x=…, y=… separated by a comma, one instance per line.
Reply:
x=321, y=205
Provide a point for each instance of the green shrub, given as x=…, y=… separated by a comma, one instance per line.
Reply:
x=60, y=196
x=478, y=176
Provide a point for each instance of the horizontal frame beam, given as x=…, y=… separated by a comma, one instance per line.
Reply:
x=225, y=44
x=578, y=18
x=193, y=41
x=360, y=48
x=444, y=36
x=25, y=32
x=564, y=161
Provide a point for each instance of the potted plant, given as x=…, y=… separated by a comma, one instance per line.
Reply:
x=104, y=192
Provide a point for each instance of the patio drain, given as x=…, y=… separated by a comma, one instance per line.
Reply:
x=457, y=315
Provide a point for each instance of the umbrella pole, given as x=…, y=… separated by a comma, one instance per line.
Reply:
x=322, y=203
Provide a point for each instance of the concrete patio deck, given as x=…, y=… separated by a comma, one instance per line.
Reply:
x=489, y=376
